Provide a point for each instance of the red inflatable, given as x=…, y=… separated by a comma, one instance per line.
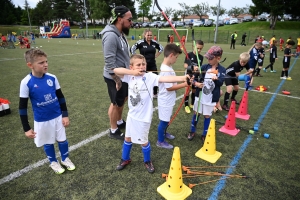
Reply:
x=261, y=88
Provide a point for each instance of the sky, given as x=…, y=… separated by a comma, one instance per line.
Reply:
x=227, y=4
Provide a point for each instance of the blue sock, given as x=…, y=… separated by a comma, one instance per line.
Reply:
x=206, y=125
x=146, y=151
x=194, y=123
x=126, y=150
x=50, y=152
x=161, y=130
x=64, y=149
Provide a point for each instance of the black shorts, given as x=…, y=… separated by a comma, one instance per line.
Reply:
x=272, y=60
x=116, y=97
x=286, y=65
x=260, y=61
x=231, y=80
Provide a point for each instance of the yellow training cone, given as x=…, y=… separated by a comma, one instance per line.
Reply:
x=173, y=188
x=208, y=151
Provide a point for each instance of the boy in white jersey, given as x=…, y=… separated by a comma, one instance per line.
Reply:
x=167, y=95
x=213, y=77
x=140, y=103
x=49, y=109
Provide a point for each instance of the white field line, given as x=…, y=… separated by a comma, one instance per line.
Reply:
x=284, y=95
x=31, y=167
x=68, y=54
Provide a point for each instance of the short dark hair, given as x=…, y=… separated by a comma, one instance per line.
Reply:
x=172, y=48
x=291, y=42
x=200, y=42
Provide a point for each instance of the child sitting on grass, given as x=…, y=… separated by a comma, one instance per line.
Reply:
x=140, y=103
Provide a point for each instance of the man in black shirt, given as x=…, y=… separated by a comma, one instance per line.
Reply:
x=243, y=39
x=231, y=78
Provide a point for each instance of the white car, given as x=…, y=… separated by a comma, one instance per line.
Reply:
x=233, y=21
x=198, y=23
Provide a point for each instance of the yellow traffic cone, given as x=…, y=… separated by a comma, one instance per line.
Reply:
x=173, y=188
x=208, y=151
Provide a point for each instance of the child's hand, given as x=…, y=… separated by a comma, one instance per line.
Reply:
x=196, y=68
x=138, y=72
x=65, y=121
x=30, y=134
x=199, y=85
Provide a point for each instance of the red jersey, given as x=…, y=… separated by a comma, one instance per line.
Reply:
x=281, y=41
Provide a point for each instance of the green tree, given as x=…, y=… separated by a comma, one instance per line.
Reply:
x=175, y=16
x=186, y=10
x=253, y=11
x=7, y=12
x=144, y=7
x=101, y=9
x=274, y=7
x=214, y=10
x=235, y=11
x=201, y=9
x=169, y=11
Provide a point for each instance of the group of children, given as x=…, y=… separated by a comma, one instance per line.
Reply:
x=51, y=115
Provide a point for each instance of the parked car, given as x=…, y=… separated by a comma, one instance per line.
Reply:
x=233, y=21
x=208, y=23
x=221, y=23
x=145, y=24
x=247, y=19
x=198, y=23
x=188, y=24
x=156, y=24
x=178, y=24
x=262, y=18
x=166, y=24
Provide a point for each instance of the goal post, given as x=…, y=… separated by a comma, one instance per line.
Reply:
x=162, y=34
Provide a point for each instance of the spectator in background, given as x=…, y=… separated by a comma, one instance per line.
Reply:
x=244, y=39
x=147, y=48
x=233, y=39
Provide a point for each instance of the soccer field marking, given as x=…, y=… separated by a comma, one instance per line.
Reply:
x=221, y=184
x=283, y=95
x=67, y=54
x=31, y=167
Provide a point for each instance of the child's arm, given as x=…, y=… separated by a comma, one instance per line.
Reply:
x=24, y=118
x=63, y=107
x=120, y=72
x=172, y=79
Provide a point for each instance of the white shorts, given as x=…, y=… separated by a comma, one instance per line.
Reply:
x=49, y=132
x=138, y=131
x=204, y=109
x=165, y=113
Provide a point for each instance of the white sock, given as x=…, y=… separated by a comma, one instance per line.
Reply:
x=119, y=122
x=113, y=130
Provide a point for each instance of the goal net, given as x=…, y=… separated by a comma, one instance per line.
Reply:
x=163, y=34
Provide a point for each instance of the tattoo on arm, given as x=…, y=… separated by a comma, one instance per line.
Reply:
x=117, y=80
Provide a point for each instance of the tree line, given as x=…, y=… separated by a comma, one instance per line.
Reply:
x=74, y=10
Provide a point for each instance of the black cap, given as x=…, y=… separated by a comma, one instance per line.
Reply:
x=117, y=12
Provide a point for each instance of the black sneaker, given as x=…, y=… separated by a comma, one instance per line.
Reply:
x=236, y=102
x=123, y=164
x=117, y=135
x=191, y=136
x=123, y=125
x=149, y=166
x=225, y=107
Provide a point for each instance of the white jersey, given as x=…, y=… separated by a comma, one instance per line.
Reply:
x=166, y=98
x=140, y=95
x=209, y=86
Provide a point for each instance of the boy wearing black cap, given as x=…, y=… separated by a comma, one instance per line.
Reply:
x=116, y=54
